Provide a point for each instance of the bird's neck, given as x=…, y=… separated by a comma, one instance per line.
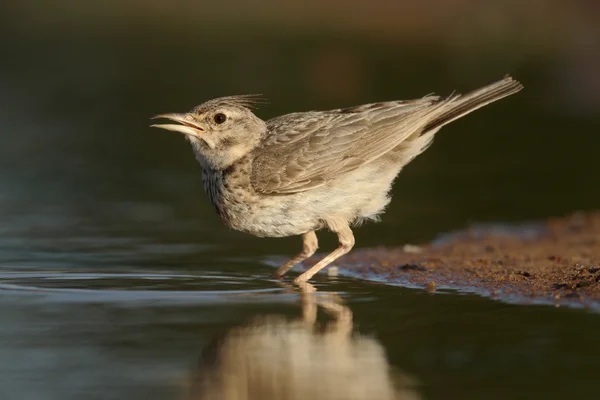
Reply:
x=220, y=159
x=217, y=162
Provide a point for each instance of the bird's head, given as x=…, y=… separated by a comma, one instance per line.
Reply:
x=221, y=131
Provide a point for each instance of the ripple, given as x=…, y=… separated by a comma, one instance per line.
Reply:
x=118, y=287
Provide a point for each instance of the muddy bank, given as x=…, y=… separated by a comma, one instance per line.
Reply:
x=555, y=261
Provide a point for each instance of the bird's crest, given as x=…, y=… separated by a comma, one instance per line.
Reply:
x=251, y=101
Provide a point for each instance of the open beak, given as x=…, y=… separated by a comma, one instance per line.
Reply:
x=184, y=124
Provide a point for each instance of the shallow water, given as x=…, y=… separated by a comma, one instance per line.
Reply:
x=142, y=334
x=119, y=314
x=118, y=281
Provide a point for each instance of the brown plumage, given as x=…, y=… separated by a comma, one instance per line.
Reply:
x=300, y=172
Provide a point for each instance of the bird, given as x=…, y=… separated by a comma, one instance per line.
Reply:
x=298, y=173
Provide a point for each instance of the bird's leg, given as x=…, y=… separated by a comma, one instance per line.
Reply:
x=310, y=244
x=346, y=239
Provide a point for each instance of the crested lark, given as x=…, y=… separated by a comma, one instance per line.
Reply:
x=300, y=172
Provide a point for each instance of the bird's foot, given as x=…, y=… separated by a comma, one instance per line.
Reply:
x=300, y=280
x=275, y=275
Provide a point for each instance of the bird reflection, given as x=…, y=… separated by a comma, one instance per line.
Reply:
x=276, y=358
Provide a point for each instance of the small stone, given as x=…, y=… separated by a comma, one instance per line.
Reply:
x=430, y=287
x=411, y=248
x=333, y=271
x=412, y=267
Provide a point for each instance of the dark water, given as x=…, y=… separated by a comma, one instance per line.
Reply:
x=117, y=281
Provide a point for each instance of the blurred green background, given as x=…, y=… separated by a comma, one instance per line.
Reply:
x=79, y=80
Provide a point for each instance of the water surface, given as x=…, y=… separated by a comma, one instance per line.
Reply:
x=118, y=281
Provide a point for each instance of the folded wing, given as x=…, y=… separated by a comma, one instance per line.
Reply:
x=306, y=150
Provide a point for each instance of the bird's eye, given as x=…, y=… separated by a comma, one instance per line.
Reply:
x=220, y=118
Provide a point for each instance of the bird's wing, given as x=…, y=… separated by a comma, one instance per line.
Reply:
x=305, y=150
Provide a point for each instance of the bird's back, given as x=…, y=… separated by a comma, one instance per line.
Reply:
x=302, y=151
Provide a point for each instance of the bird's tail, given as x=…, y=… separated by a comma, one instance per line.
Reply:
x=456, y=106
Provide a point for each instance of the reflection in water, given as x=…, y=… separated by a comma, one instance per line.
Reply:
x=277, y=358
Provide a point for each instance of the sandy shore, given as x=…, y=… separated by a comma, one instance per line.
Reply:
x=556, y=261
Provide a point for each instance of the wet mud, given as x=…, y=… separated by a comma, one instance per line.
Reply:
x=556, y=261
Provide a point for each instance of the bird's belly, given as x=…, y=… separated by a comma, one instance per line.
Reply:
x=267, y=216
x=270, y=220
x=360, y=195
x=242, y=209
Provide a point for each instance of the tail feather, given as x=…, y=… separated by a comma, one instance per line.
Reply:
x=457, y=106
